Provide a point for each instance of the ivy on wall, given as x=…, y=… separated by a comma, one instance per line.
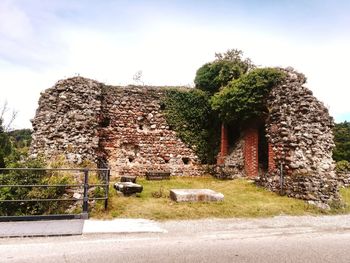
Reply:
x=189, y=114
x=230, y=90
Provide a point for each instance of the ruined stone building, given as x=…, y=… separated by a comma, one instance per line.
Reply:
x=289, y=150
x=122, y=126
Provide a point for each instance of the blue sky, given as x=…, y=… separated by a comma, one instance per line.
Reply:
x=44, y=41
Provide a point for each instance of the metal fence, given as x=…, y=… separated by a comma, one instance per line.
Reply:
x=83, y=182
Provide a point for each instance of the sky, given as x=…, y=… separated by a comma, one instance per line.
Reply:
x=43, y=41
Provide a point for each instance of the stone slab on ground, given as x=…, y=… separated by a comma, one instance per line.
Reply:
x=128, y=188
x=41, y=228
x=195, y=195
x=126, y=178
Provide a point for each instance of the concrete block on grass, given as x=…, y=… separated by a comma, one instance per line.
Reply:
x=128, y=188
x=195, y=195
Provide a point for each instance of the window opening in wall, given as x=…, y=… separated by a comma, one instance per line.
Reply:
x=185, y=160
x=131, y=159
x=141, y=127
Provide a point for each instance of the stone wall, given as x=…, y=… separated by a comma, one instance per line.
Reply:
x=67, y=120
x=137, y=138
x=86, y=120
x=299, y=130
x=233, y=166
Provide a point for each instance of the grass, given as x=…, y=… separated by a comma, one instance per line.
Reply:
x=345, y=194
x=242, y=199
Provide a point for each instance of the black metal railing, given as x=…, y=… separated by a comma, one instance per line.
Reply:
x=102, y=176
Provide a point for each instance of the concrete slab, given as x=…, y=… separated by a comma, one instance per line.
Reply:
x=121, y=226
x=41, y=228
x=195, y=195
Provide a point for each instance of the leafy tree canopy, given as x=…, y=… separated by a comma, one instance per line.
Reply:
x=20, y=138
x=226, y=67
x=231, y=89
x=342, y=141
x=245, y=98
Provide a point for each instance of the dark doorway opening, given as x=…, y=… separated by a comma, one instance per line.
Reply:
x=233, y=135
x=263, y=149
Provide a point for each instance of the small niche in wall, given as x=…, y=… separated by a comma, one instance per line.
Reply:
x=143, y=127
x=105, y=122
x=131, y=159
x=162, y=106
x=166, y=159
x=186, y=160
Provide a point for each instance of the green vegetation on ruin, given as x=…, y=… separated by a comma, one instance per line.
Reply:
x=245, y=98
x=190, y=115
x=229, y=89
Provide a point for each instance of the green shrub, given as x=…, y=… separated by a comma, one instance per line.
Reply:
x=217, y=74
x=35, y=177
x=20, y=138
x=343, y=166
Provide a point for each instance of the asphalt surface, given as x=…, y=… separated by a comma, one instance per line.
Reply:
x=279, y=239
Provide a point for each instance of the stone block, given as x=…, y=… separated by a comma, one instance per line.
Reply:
x=195, y=195
x=126, y=178
x=157, y=175
x=128, y=188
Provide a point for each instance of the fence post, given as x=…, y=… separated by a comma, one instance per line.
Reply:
x=108, y=174
x=85, y=214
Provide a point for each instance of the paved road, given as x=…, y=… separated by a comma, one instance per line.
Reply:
x=282, y=239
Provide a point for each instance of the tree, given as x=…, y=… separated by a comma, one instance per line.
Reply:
x=213, y=76
x=5, y=145
x=20, y=138
x=342, y=141
x=138, y=77
x=4, y=110
x=245, y=98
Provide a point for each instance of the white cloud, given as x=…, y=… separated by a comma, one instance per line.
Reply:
x=14, y=23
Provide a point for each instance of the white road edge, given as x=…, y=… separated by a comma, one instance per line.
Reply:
x=92, y=226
